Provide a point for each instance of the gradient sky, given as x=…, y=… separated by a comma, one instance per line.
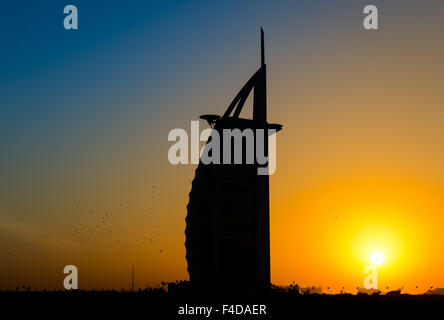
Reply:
x=85, y=115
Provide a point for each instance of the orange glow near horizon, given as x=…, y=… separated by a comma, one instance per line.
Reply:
x=346, y=223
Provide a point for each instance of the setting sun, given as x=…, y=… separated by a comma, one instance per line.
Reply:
x=377, y=258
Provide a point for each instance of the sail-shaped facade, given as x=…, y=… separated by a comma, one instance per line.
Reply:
x=227, y=224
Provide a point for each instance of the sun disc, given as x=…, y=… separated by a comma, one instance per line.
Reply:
x=377, y=258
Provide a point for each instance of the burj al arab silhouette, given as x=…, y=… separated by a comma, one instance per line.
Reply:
x=227, y=224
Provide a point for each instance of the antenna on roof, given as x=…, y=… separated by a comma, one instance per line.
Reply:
x=262, y=48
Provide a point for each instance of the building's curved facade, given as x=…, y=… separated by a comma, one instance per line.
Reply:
x=227, y=223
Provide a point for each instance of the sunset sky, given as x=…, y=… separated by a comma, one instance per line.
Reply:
x=85, y=115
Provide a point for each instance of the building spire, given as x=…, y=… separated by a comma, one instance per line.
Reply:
x=260, y=88
x=259, y=82
x=262, y=48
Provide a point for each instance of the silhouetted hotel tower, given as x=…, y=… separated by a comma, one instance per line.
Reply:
x=227, y=225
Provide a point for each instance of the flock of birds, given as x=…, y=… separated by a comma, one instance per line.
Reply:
x=89, y=226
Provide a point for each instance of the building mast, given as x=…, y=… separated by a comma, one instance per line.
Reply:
x=262, y=49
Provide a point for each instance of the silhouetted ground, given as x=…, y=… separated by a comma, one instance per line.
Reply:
x=160, y=304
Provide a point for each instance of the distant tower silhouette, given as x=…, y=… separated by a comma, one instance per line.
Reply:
x=132, y=279
x=227, y=224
